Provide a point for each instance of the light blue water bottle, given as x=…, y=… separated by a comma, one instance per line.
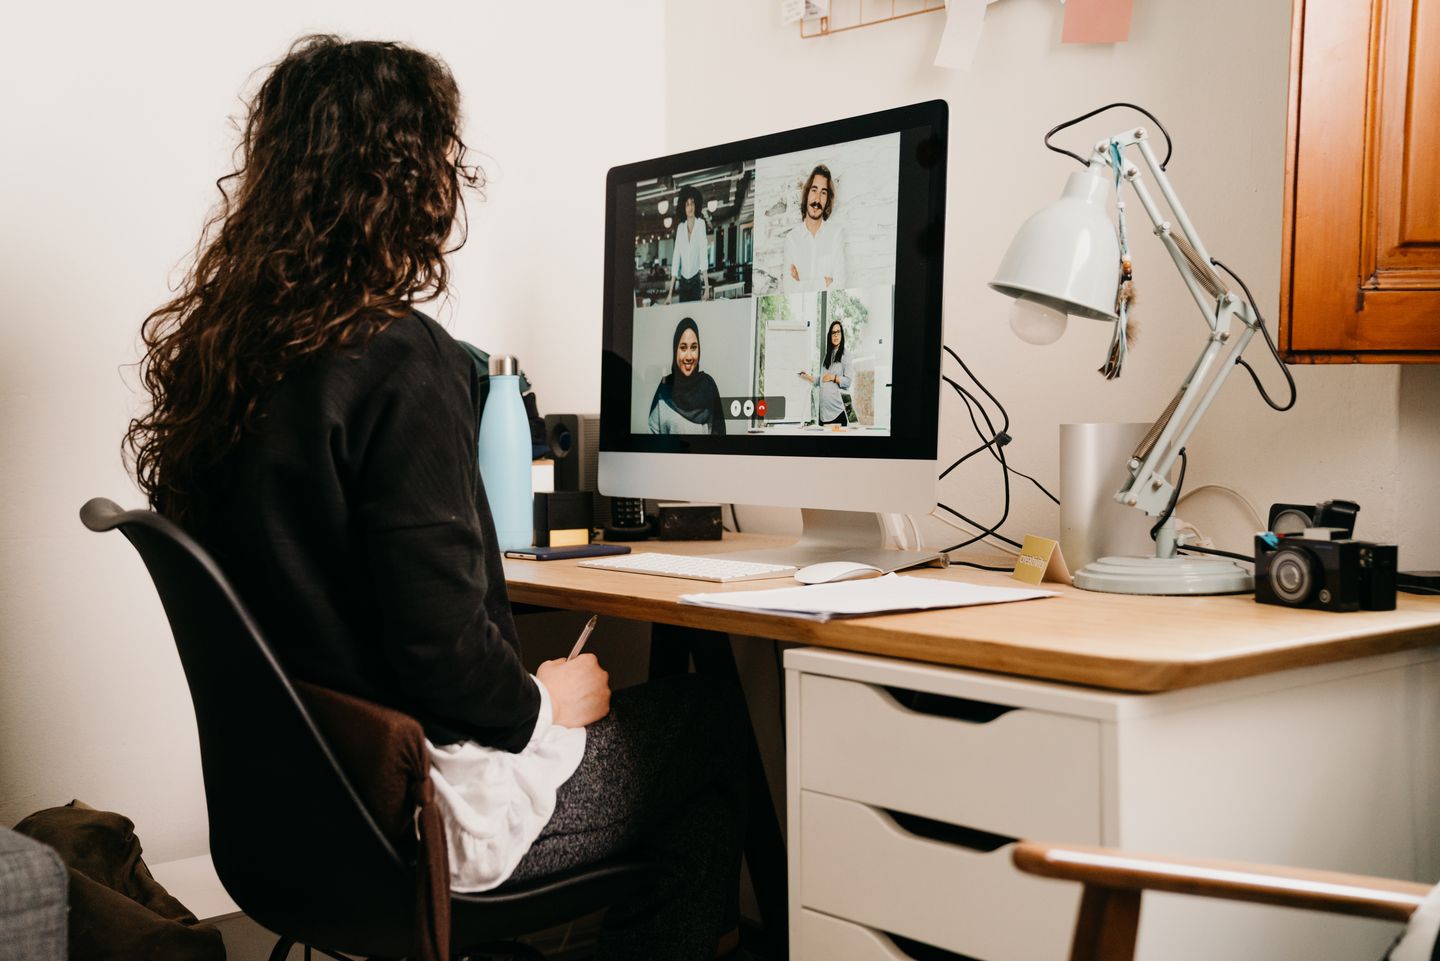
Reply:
x=505, y=455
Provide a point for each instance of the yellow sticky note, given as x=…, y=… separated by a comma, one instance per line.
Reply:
x=1041, y=560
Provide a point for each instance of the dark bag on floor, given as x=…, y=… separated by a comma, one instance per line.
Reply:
x=118, y=912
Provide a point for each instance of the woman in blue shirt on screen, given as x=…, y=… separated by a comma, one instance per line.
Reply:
x=835, y=376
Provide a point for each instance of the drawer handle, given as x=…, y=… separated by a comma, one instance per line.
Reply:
x=941, y=705
x=924, y=952
x=954, y=834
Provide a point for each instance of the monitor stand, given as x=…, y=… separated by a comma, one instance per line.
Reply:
x=843, y=536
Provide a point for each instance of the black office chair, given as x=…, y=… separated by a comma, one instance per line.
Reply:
x=292, y=840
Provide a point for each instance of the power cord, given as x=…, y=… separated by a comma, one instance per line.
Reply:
x=1265, y=331
x=1170, y=509
x=992, y=440
x=1169, y=144
x=1174, y=499
x=983, y=567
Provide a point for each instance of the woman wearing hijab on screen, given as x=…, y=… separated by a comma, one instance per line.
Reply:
x=687, y=400
x=835, y=376
x=691, y=260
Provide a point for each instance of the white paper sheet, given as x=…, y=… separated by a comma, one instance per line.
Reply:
x=964, y=19
x=878, y=595
x=792, y=10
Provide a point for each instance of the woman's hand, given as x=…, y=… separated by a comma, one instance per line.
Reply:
x=579, y=690
x=807, y=376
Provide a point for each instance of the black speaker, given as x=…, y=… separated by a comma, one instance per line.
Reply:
x=574, y=443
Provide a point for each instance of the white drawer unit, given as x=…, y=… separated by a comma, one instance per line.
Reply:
x=829, y=938
x=858, y=863
x=986, y=766
x=907, y=784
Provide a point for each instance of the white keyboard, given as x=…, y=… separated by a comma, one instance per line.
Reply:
x=720, y=569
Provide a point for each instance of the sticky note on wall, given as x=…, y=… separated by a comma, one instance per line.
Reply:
x=1096, y=21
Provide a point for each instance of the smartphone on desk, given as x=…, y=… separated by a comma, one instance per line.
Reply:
x=561, y=553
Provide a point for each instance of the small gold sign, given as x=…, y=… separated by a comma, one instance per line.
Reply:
x=1041, y=560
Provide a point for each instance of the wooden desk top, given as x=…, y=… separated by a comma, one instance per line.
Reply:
x=1116, y=641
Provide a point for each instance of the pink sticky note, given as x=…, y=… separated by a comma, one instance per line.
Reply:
x=1096, y=21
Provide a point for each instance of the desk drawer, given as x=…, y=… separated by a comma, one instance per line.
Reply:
x=1023, y=773
x=820, y=937
x=856, y=863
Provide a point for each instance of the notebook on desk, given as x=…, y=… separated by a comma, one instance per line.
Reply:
x=890, y=594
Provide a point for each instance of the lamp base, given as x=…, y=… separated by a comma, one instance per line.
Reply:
x=1164, y=575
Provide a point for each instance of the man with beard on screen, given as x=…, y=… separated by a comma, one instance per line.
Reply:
x=815, y=253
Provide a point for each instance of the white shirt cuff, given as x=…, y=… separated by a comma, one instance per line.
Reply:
x=546, y=718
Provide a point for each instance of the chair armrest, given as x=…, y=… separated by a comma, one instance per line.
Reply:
x=1233, y=880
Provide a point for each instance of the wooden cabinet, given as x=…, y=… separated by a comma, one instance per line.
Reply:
x=1360, y=275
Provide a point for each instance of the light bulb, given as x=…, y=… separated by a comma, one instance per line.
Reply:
x=664, y=206
x=668, y=223
x=1035, y=323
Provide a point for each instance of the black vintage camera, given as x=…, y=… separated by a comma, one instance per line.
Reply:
x=1328, y=575
x=1294, y=518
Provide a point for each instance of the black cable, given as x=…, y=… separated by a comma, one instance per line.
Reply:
x=1174, y=498
x=1039, y=485
x=1169, y=145
x=992, y=440
x=989, y=532
x=1264, y=330
x=972, y=403
x=983, y=567
x=997, y=438
x=734, y=519
x=994, y=529
x=1004, y=428
x=1217, y=553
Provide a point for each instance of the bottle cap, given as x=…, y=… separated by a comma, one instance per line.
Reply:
x=504, y=365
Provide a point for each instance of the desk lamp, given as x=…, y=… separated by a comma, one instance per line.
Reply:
x=1070, y=258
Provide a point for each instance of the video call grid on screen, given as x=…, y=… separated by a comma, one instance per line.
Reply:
x=732, y=272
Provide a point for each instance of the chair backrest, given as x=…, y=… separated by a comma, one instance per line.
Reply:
x=291, y=840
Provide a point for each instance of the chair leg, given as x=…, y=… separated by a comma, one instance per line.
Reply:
x=1109, y=920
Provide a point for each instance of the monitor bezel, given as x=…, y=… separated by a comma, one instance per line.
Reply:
x=919, y=264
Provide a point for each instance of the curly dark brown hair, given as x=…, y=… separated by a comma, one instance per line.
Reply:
x=336, y=219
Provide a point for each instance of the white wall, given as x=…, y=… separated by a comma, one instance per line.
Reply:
x=1216, y=74
x=115, y=130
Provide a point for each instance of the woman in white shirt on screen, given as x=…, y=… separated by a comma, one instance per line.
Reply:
x=690, y=263
x=835, y=376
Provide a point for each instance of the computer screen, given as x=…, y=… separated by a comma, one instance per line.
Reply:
x=772, y=317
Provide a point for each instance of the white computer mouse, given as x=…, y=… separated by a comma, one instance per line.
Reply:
x=829, y=571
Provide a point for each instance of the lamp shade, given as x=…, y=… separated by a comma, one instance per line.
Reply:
x=1067, y=256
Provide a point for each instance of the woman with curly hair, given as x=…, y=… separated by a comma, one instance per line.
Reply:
x=317, y=434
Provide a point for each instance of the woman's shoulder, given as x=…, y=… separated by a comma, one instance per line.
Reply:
x=409, y=349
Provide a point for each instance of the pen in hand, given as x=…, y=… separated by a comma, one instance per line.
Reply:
x=584, y=636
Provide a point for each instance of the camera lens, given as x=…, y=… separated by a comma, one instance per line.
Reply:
x=1292, y=575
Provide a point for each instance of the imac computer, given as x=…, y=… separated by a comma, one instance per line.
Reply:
x=772, y=328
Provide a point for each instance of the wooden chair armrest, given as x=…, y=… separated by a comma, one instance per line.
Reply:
x=1234, y=880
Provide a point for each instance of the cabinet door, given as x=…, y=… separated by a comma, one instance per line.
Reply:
x=1361, y=265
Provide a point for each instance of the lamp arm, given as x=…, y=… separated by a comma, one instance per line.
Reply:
x=1149, y=488
x=1186, y=249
